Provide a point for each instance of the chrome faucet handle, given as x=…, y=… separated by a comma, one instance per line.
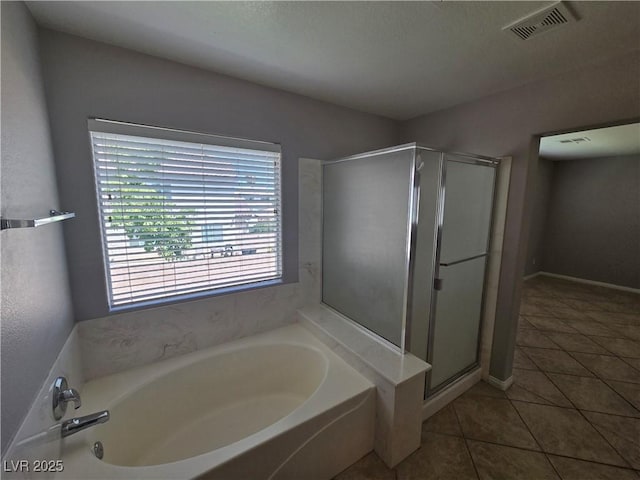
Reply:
x=71, y=395
x=61, y=395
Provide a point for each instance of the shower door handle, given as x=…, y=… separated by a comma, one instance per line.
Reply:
x=462, y=260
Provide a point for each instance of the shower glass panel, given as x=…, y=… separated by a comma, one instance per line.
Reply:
x=460, y=270
x=367, y=218
x=467, y=209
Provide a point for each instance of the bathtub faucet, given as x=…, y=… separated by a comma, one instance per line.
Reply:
x=61, y=394
x=76, y=425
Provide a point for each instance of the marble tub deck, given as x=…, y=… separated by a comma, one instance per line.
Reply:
x=572, y=413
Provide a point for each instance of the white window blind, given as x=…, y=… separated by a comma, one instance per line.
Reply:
x=183, y=212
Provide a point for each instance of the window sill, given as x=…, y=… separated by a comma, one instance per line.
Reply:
x=191, y=297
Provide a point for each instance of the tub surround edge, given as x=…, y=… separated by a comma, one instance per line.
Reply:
x=399, y=381
x=394, y=366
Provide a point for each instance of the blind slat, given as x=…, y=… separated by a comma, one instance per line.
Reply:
x=193, y=271
x=181, y=276
x=118, y=254
x=164, y=292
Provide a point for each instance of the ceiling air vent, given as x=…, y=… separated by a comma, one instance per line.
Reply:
x=541, y=21
x=575, y=140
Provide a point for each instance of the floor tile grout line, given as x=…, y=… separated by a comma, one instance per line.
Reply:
x=624, y=459
x=594, y=374
x=622, y=309
x=455, y=413
x=612, y=321
x=582, y=314
x=593, y=427
x=572, y=351
x=626, y=467
x=521, y=345
x=621, y=337
x=552, y=383
x=541, y=332
x=583, y=290
x=615, y=338
x=590, y=337
x=565, y=373
x=546, y=455
x=574, y=330
x=591, y=461
x=553, y=404
x=564, y=350
x=607, y=382
x=535, y=395
x=444, y=433
x=587, y=409
x=609, y=414
x=621, y=396
x=602, y=323
x=525, y=425
x=464, y=439
x=624, y=359
x=598, y=376
x=557, y=319
x=529, y=369
x=544, y=398
x=473, y=462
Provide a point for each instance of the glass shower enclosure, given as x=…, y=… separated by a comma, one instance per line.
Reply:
x=406, y=235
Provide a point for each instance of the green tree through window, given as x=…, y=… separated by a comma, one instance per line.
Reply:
x=149, y=216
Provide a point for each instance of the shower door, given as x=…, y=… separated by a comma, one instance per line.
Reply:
x=464, y=226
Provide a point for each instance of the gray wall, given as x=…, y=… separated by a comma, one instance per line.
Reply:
x=90, y=79
x=36, y=307
x=593, y=225
x=507, y=124
x=541, y=194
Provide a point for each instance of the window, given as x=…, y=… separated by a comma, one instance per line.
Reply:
x=183, y=212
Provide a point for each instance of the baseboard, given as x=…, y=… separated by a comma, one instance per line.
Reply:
x=450, y=393
x=590, y=282
x=500, y=384
x=533, y=275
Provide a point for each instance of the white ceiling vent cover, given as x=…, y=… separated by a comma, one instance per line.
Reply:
x=541, y=21
x=575, y=140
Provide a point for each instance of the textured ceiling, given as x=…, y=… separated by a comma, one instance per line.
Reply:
x=597, y=143
x=396, y=59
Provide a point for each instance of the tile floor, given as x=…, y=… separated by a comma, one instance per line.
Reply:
x=573, y=411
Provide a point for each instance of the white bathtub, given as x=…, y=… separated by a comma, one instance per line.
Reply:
x=276, y=405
